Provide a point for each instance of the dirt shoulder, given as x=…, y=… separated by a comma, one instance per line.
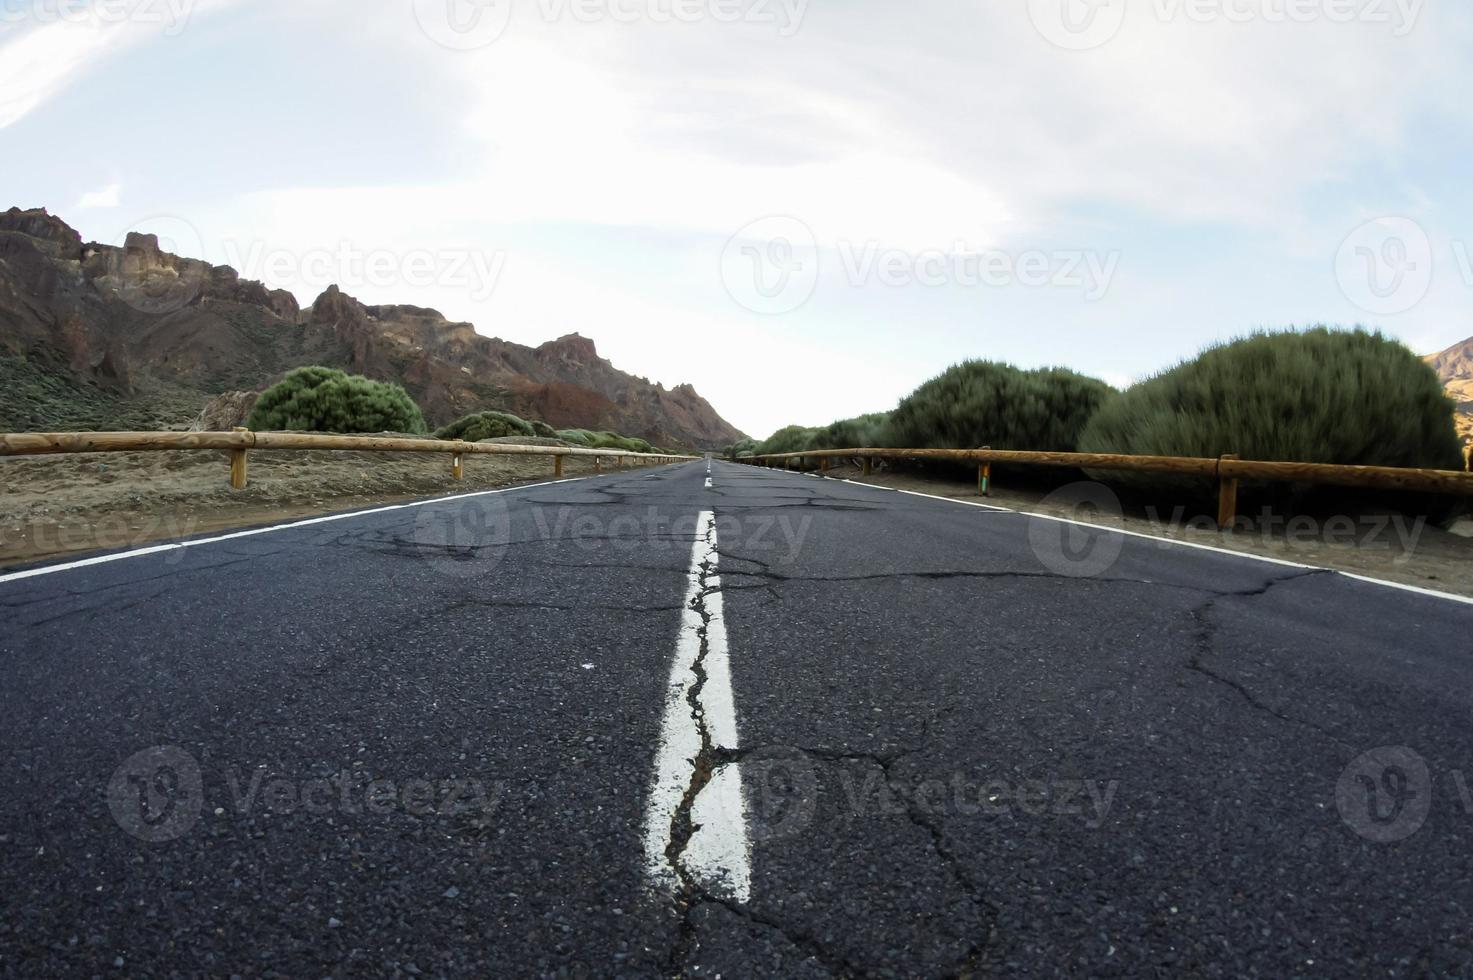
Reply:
x=71, y=504
x=1381, y=545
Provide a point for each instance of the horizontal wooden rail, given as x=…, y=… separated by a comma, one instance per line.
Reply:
x=1227, y=470
x=240, y=441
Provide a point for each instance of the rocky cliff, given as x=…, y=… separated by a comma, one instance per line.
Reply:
x=96, y=336
x=1455, y=367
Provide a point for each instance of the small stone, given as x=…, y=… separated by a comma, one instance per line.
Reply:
x=334, y=924
x=452, y=892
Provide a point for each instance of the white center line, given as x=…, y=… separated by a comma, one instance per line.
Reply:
x=692, y=797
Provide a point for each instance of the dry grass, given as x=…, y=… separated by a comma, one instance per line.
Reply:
x=52, y=505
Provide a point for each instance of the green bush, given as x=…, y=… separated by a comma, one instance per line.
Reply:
x=1320, y=396
x=543, y=430
x=984, y=403
x=746, y=447
x=321, y=399
x=790, y=439
x=861, y=432
x=605, y=440
x=486, y=425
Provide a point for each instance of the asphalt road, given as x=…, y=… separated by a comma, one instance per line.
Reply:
x=778, y=726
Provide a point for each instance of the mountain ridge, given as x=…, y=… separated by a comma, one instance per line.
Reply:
x=159, y=335
x=1454, y=366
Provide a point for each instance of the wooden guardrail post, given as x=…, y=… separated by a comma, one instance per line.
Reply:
x=238, y=464
x=557, y=467
x=869, y=465
x=823, y=465
x=457, y=466
x=598, y=464
x=1227, y=496
x=984, y=477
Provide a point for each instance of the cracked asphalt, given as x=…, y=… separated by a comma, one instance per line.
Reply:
x=420, y=742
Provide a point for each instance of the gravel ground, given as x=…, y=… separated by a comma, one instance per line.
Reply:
x=55, y=505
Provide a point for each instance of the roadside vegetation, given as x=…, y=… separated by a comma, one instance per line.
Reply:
x=1318, y=395
x=320, y=399
x=982, y=403
x=605, y=440
x=486, y=425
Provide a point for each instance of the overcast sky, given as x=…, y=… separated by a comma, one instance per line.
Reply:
x=803, y=208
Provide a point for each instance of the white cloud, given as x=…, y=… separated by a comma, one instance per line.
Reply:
x=104, y=197
x=56, y=45
x=874, y=123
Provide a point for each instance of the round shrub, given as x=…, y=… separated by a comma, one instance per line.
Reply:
x=1320, y=396
x=745, y=447
x=321, y=399
x=861, y=432
x=790, y=439
x=543, y=430
x=577, y=437
x=486, y=425
x=984, y=403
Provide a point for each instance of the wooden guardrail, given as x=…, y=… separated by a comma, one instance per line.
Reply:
x=240, y=442
x=1228, y=470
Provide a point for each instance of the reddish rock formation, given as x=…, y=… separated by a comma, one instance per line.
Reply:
x=138, y=319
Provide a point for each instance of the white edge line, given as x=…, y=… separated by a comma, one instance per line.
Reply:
x=1432, y=593
x=251, y=532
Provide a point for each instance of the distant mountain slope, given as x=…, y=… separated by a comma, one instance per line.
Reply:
x=1455, y=367
x=99, y=336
